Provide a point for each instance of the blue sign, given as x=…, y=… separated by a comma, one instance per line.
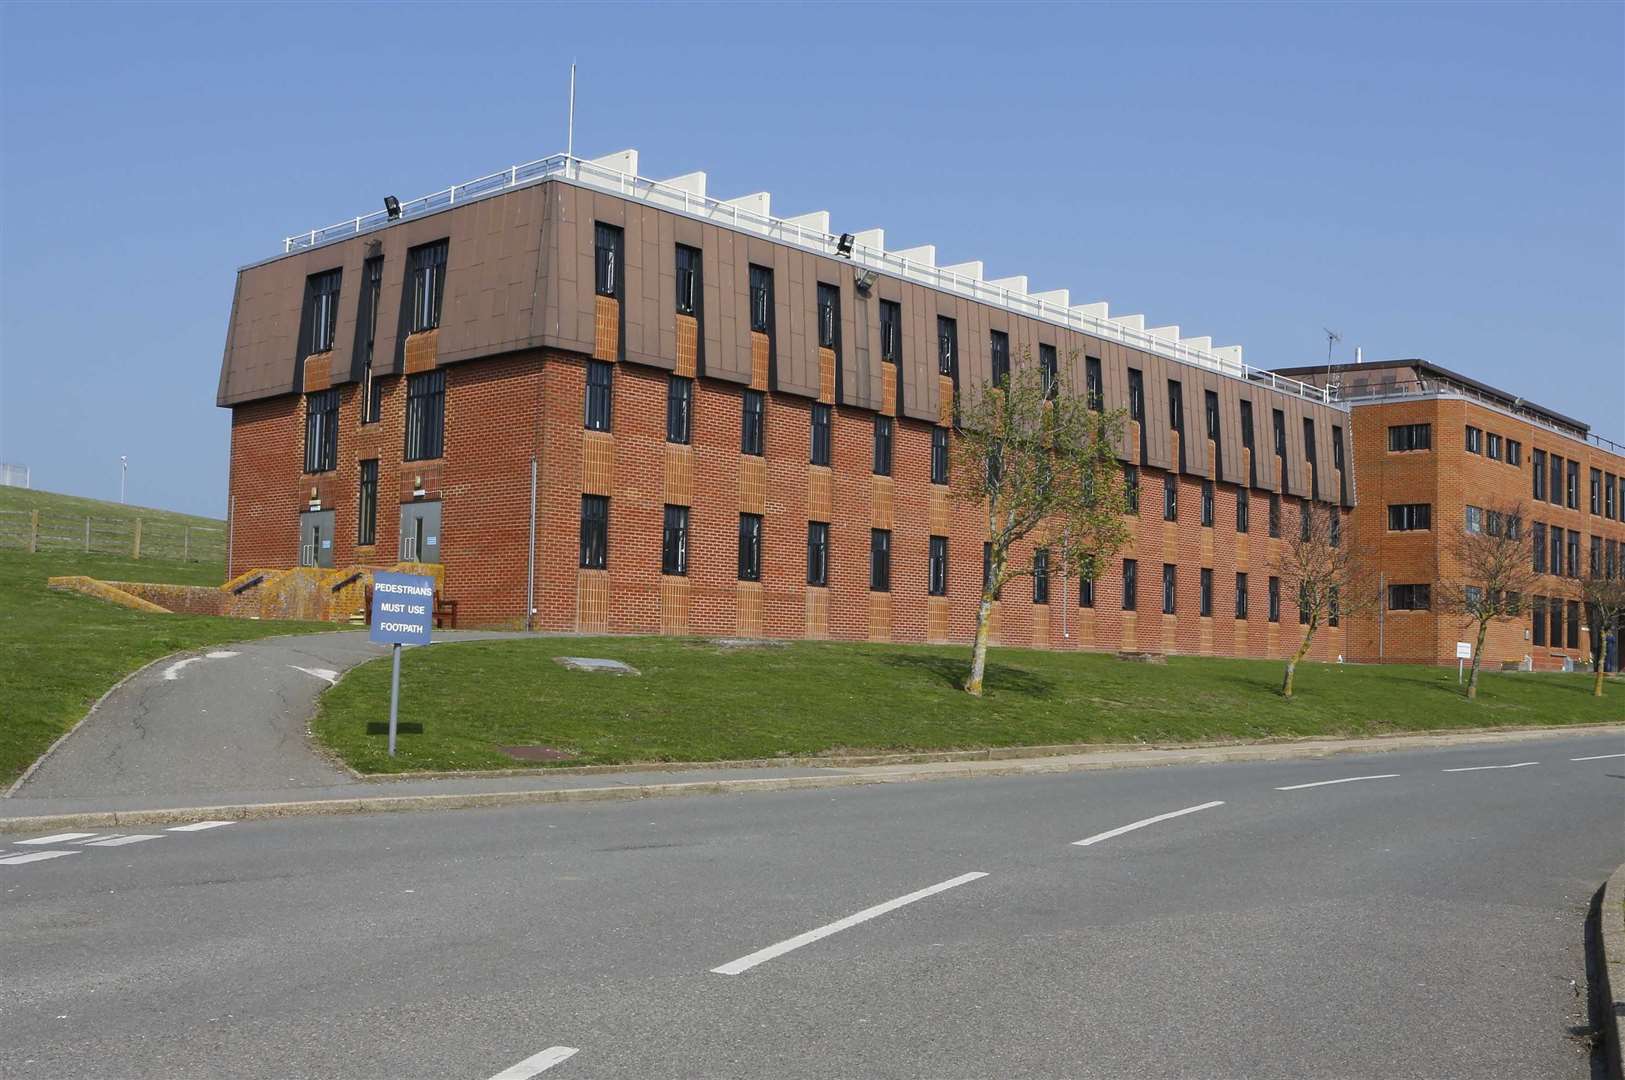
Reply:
x=402, y=608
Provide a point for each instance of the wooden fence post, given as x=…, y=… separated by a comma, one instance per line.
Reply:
x=87, y=534
x=136, y=553
x=33, y=531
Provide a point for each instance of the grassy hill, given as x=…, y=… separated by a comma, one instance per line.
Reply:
x=63, y=521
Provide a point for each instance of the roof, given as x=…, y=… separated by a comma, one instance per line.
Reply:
x=1426, y=369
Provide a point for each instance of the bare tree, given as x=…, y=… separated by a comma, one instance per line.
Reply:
x=1042, y=461
x=1490, y=570
x=1604, y=600
x=1328, y=576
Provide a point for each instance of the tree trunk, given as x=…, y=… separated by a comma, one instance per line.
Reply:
x=1292, y=664
x=978, y=656
x=1596, y=682
x=1478, y=658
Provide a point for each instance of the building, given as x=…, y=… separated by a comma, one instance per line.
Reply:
x=605, y=403
x=1437, y=451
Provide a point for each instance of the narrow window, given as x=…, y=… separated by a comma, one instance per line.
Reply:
x=750, y=547
x=322, y=299
x=1337, y=463
x=761, y=299
x=1334, y=610
x=1210, y=411
x=1492, y=447
x=1608, y=502
x=1275, y=599
x=679, y=406
x=1176, y=408
x=1241, y=596
x=750, y=423
x=1041, y=576
x=817, y=553
x=1514, y=452
x=1555, y=608
x=939, y=455
x=937, y=584
x=372, y=283
x=1275, y=515
x=1086, y=592
x=891, y=331
x=880, y=560
x=674, y=541
x=607, y=260
x=883, y=440
x=1537, y=544
x=1475, y=440
x=1279, y=419
x=1206, y=601
x=1475, y=519
x=594, y=532
x=1574, y=553
x=1574, y=624
x=1571, y=487
x=1596, y=556
x=1303, y=603
x=829, y=316
x=1310, y=456
x=820, y=434
x=1537, y=619
x=321, y=431
x=597, y=413
x=1170, y=587
x=425, y=415
x=1538, y=458
x=1334, y=526
x=1131, y=488
x=426, y=274
x=1555, y=491
x=1136, y=397
x=999, y=354
x=1243, y=506
x=947, y=346
x=1557, y=550
x=1170, y=498
x=1247, y=442
x=1207, y=504
x=1049, y=365
x=688, y=280
x=366, y=533
x=1094, y=384
x=1131, y=572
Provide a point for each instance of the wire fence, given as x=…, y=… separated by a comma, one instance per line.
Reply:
x=132, y=537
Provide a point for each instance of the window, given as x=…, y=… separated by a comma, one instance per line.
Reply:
x=366, y=532
x=1243, y=505
x=1574, y=624
x=947, y=346
x=1241, y=596
x=1093, y=383
x=1596, y=491
x=1131, y=572
x=674, y=541
x=1596, y=556
x=820, y=434
x=1136, y=397
x=322, y=309
x=1041, y=576
x=372, y=283
x=688, y=280
x=1514, y=452
x=761, y=299
x=1539, y=459
x=1279, y=418
x=596, y=412
x=1334, y=526
x=1309, y=455
x=425, y=415
x=1557, y=550
x=426, y=273
x=891, y=331
x=594, y=532
x=750, y=547
x=1537, y=619
x=829, y=316
x=1303, y=603
x=1337, y=448
x=939, y=455
x=1571, y=486
x=321, y=431
x=750, y=423
x=883, y=429
x=1247, y=425
x=1475, y=519
x=1206, y=603
x=1611, y=566
x=817, y=553
x=1573, y=553
x=1608, y=502
x=607, y=260
x=1275, y=515
x=1176, y=409
x=1492, y=447
x=1475, y=440
x=998, y=348
x=1409, y=517
x=679, y=405
x=1494, y=522
x=1555, y=608
x=1408, y=598
x=880, y=560
x=1086, y=592
x=1554, y=490
x=1334, y=610
x=1170, y=587
x=1275, y=599
x=1207, y=504
x=1170, y=498
x=1131, y=488
x=1538, y=546
x=1410, y=437
x=937, y=579
x=1050, y=366
x=1210, y=410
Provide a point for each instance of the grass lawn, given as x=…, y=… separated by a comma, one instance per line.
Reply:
x=696, y=701
x=60, y=651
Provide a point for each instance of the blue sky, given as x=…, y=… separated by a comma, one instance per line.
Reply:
x=1444, y=181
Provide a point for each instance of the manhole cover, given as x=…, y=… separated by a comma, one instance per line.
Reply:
x=536, y=753
x=594, y=663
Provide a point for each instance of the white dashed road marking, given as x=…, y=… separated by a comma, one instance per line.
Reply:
x=1481, y=768
x=1596, y=757
x=536, y=1063
x=57, y=838
x=220, y=655
x=120, y=841
x=198, y=826
x=331, y=678
x=1345, y=780
x=33, y=856
x=1121, y=829
x=745, y=963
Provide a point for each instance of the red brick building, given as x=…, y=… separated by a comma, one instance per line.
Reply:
x=1438, y=451
x=604, y=403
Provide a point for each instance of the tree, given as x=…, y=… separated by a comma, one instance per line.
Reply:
x=1490, y=572
x=1329, y=577
x=1040, y=461
x=1604, y=600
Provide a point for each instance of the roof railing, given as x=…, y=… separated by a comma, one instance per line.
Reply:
x=1401, y=389
x=590, y=174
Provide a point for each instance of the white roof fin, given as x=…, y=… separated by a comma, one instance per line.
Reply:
x=693, y=183
x=1058, y=297
x=925, y=254
x=1166, y=333
x=1017, y=284
x=818, y=220
x=1097, y=310
x=625, y=161
x=873, y=239
x=1133, y=322
x=1229, y=352
x=755, y=203
x=1204, y=344
x=972, y=269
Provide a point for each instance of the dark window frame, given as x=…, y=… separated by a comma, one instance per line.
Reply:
x=761, y=299
x=1205, y=598
x=752, y=422
x=822, y=437
x=372, y=291
x=1131, y=584
x=1041, y=576
x=366, y=531
x=937, y=567
x=939, y=455
x=598, y=399
x=322, y=430
x=690, y=272
x=322, y=309
x=1241, y=594
x=594, y=550
x=1049, y=367
x=426, y=283
x=829, y=317
x=1094, y=383
x=609, y=246
x=1404, y=438
x=818, y=554
x=880, y=560
x=891, y=332
x=674, y=532
x=679, y=409
x=1208, y=512
x=998, y=356
x=425, y=415
x=883, y=445
x=1170, y=588
x=750, y=547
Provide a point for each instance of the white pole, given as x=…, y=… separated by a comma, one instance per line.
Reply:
x=123, y=472
x=530, y=558
x=394, y=696
x=570, y=133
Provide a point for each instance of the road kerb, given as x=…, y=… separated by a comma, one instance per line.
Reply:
x=1611, y=939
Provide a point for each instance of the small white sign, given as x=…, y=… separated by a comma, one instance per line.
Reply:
x=1464, y=650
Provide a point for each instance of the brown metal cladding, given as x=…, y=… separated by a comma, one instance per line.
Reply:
x=795, y=302
x=493, y=259
x=920, y=386
x=1264, y=458
x=1230, y=431
x=1297, y=471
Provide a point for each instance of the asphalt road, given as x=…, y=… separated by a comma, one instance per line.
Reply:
x=1426, y=924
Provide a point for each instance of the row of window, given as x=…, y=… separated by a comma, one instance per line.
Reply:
x=1564, y=548
x=1493, y=446
x=1559, y=615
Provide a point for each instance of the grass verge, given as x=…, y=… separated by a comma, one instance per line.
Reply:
x=61, y=651
x=697, y=701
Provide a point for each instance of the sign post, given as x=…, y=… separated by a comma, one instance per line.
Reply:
x=402, y=614
x=1464, y=652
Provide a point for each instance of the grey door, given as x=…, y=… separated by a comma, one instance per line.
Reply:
x=316, y=538
x=420, y=532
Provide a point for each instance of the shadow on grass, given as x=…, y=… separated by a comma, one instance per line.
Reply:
x=951, y=672
x=402, y=727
